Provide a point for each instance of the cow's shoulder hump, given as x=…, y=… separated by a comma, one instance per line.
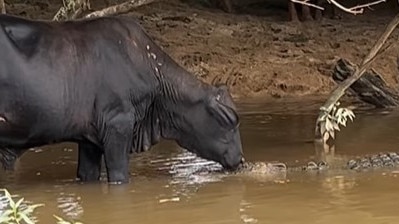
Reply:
x=24, y=34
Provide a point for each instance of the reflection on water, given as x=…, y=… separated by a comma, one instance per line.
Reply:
x=70, y=205
x=170, y=185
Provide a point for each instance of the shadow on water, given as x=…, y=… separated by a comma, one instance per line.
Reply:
x=168, y=185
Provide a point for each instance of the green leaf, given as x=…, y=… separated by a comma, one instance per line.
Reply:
x=351, y=115
x=329, y=126
x=332, y=134
x=5, y=219
x=26, y=218
x=323, y=128
x=19, y=202
x=339, y=112
x=60, y=220
x=336, y=127
x=7, y=212
x=31, y=208
x=12, y=203
x=326, y=136
x=340, y=120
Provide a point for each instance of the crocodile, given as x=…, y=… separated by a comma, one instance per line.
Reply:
x=187, y=168
x=381, y=160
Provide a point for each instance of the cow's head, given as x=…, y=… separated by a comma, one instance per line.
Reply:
x=209, y=127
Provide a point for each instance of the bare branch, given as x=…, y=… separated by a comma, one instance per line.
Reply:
x=306, y=2
x=120, y=8
x=367, y=5
x=357, y=9
x=339, y=91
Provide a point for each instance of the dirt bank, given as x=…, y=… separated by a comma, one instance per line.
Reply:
x=258, y=52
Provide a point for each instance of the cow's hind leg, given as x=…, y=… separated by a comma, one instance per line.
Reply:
x=8, y=157
x=117, y=145
x=89, y=161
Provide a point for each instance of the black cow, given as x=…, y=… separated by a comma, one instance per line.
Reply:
x=104, y=84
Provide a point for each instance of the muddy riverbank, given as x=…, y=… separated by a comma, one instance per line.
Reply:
x=256, y=50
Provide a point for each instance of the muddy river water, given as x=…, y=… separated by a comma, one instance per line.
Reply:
x=166, y=188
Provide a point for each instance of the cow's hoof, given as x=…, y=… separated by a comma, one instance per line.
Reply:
x=119, y=182
x=118, y=179
x=92, y=177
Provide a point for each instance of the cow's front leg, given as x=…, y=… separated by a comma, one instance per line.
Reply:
x=89, y=162
x=117, y=145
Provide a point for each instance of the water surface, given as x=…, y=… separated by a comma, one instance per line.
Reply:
x=166, y=188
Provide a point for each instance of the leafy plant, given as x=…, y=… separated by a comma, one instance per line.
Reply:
x=62, y=221
x=16, y=212
x=331, y=121
x=19, y=212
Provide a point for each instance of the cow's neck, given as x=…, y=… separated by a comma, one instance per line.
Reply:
x=179, y=92
x=176, y=94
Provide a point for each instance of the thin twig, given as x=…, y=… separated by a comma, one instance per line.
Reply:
x=339, y=91
x=367, y=5
x=119, y=9
x=307, y=4
x=357, y=9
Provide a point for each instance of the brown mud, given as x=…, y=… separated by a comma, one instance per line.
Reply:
x=256, y=50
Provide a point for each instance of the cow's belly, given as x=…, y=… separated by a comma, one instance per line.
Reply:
x=25, y=124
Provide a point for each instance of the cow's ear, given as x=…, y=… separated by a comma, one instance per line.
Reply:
x=25, y=37
x=223, y=113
